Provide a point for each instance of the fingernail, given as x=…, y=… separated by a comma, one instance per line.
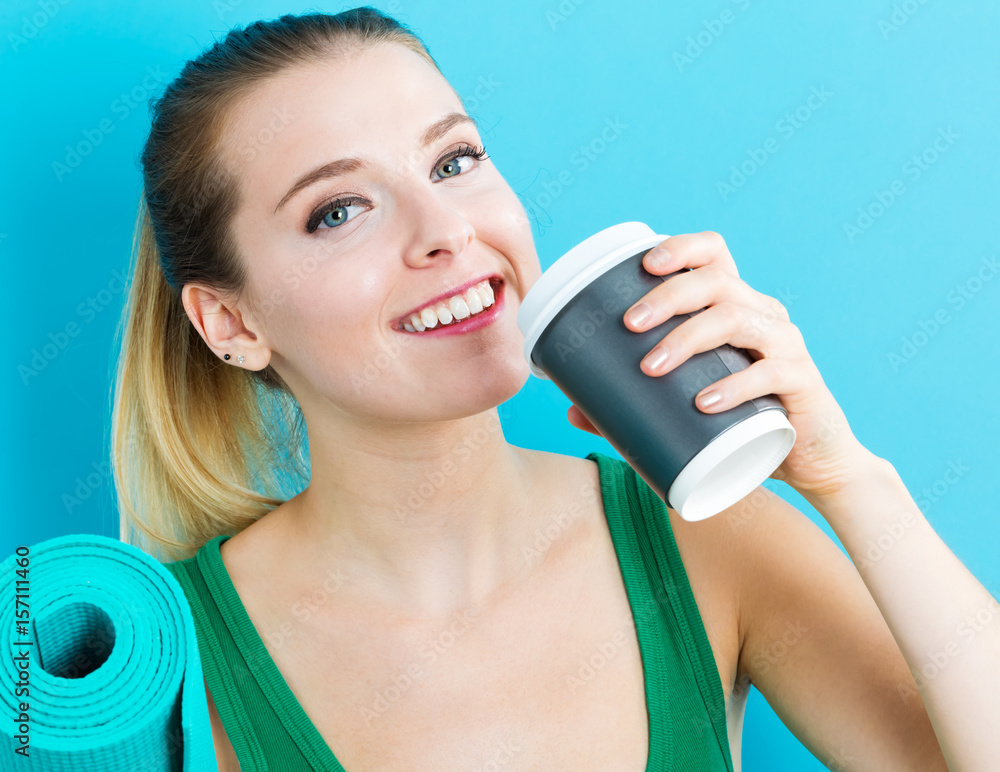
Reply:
x=658, y=258
x=657, y=359
x=638, y=315
x=709, y=398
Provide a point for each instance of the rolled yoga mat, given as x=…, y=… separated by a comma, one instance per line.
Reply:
x=100, y=668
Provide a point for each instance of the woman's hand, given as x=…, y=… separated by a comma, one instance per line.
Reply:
x=826, y=452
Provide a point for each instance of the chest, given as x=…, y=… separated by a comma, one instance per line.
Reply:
x=550, y=678
x=550, y=681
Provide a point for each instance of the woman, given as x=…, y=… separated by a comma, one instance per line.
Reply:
x=437, y=598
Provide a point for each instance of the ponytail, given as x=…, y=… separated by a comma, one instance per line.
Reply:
x=191, y=449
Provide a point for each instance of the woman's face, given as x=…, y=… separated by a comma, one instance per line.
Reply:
x=420, y=224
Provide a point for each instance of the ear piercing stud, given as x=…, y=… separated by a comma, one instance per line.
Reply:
x=239, y=359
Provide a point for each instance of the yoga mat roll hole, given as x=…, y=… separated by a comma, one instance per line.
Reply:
x=74, y=641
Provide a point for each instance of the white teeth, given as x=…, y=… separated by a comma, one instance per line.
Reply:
x=443, y=313
x=474, y=301
x=455, y=308
x=458, y=307
x=429, y=318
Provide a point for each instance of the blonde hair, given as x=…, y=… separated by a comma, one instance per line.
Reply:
x=200, y=448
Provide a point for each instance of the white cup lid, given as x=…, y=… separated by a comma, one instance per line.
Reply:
x=561, y=281
x=732, y=465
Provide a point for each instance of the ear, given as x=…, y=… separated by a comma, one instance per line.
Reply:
x=220, y=323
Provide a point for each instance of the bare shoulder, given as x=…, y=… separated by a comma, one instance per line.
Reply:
x=816, y=646
x=708, y=549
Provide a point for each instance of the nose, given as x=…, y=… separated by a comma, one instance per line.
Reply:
x=439, y=228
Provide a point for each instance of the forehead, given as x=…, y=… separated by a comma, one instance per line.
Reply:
x=360, y=103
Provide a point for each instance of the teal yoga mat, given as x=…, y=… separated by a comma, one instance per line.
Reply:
x=99, y=667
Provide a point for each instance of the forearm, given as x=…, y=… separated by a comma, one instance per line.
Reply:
x=946, y=623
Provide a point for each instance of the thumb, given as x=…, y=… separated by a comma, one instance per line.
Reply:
x=580, y=421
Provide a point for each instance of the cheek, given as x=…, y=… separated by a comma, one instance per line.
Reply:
x=312, y=309
x=500, y=217
x=326, y=304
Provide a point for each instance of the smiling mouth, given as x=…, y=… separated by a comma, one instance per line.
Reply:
x=496, y=285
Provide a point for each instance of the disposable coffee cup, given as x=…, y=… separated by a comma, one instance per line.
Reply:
x=572, y=320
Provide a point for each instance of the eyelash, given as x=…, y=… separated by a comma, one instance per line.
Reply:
x=478, y=152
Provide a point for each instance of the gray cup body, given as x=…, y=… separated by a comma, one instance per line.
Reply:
x=652, y=421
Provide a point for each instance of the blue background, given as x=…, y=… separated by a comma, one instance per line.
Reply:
x=704, y=94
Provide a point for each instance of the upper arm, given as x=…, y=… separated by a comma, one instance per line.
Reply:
x=816, y=646
x=224, y=752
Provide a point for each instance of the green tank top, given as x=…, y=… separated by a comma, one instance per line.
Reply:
x=270, y=730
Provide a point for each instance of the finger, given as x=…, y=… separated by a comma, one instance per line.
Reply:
x=766, y=376
x=720, y=324
x=691, y=250
x=580, y=421
x=697, y=289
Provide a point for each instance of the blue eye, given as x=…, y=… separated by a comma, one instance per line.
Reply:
x=339, y=207
x=479, y=153
x=333, y=208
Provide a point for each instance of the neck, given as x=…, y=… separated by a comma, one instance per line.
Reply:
x=424, y=522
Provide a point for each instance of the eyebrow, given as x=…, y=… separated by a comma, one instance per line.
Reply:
x=352, y=164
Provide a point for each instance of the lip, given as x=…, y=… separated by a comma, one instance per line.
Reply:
x=470, y=323
x=495, y=280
